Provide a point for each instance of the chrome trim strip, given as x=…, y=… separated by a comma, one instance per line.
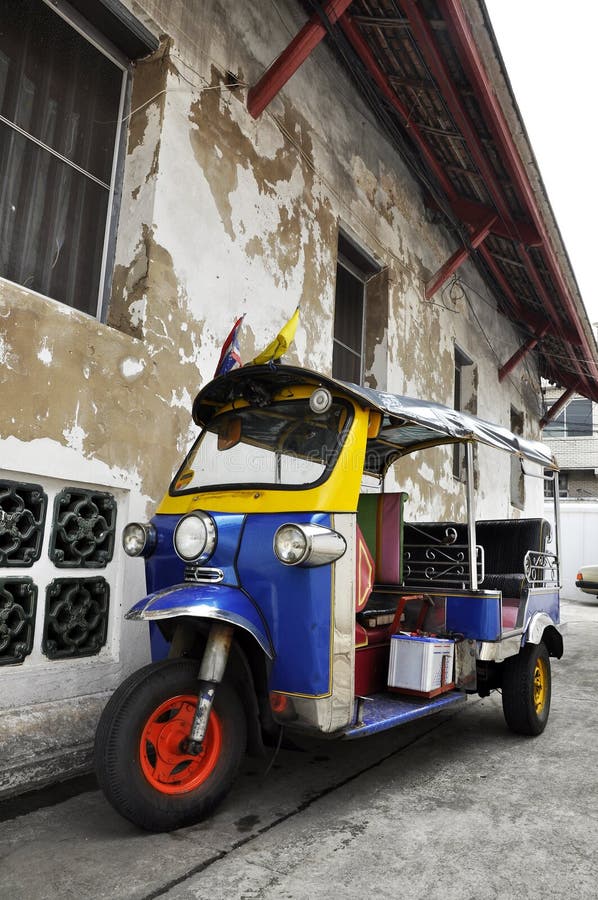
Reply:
x=203, y=575
x=497, y=651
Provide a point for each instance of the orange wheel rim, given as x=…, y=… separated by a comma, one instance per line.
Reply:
x=164, y=762
x=540, y=686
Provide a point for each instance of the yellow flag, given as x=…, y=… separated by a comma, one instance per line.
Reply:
x=281, y=342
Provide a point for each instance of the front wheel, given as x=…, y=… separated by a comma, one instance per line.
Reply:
x=140, y=757
x=526, y=690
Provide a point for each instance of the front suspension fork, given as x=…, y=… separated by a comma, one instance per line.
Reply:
x=211, y=673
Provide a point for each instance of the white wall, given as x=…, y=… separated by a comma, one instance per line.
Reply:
x=579, y=543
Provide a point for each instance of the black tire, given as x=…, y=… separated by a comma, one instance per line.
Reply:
x=131, y=772
x=526, y=690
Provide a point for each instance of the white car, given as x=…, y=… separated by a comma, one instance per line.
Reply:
x=587, y=579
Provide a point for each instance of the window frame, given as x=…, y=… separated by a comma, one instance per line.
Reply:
x=344, y=263
x=104, y=46
x=550, y=432
x=362, y=267
x=218, y=487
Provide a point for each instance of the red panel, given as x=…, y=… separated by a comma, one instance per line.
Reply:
x=364, y=572
x=371, y=669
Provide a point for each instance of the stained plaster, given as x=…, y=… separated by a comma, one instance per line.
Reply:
x=274, y=229
x=98, y=395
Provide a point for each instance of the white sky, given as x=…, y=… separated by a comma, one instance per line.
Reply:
x=550, y=51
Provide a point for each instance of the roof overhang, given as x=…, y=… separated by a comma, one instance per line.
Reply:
x=433, y=75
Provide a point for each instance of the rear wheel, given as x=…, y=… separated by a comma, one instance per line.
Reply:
x=140, y=755
x=526, y=690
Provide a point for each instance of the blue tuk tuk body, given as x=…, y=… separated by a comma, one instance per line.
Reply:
x=277, y=587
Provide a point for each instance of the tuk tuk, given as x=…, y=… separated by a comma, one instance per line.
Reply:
x=283, y=594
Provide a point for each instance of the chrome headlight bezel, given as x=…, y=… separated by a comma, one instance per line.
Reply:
x=139, y=539
x=321, y=545
x=206, y=538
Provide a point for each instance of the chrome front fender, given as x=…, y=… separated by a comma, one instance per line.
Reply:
x=205, y=601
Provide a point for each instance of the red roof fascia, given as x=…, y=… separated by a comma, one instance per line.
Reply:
x=454, y=15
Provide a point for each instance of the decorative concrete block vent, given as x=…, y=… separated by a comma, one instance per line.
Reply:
x=22, y=517
x=76, y=619
x=83, y=529
x=18, y=602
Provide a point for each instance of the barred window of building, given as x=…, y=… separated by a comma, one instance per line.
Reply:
x=62, y=95
x=353, y=272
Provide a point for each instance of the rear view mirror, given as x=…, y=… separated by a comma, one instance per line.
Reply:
x=229, y=434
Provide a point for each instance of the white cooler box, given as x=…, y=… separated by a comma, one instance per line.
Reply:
x=420, y=665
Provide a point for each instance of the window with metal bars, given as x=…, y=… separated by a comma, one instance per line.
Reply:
x=61, y=107
x=353, y=271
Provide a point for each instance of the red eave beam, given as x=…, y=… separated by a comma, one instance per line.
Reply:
x=459, y=257
x=557, y=406
x=285, y=65
x=523, y=351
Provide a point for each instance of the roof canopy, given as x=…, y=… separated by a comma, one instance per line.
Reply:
x=407, y=425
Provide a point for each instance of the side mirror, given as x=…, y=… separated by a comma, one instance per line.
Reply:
x=230, y=433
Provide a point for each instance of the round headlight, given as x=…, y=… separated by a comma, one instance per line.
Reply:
x=290, y=544
x=195, y=537
x=308, y=545
x=138, y=539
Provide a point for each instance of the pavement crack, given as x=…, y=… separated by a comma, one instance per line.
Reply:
x=301, y=807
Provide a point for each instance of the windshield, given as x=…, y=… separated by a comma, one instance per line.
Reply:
x=282, y=445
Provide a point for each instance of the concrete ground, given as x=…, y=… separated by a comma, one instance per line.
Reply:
x=452, y=807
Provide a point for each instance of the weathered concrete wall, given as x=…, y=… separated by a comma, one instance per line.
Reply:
x=222, y=215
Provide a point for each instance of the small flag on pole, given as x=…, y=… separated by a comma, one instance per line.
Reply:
x=281, y=342
x=230, y=357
